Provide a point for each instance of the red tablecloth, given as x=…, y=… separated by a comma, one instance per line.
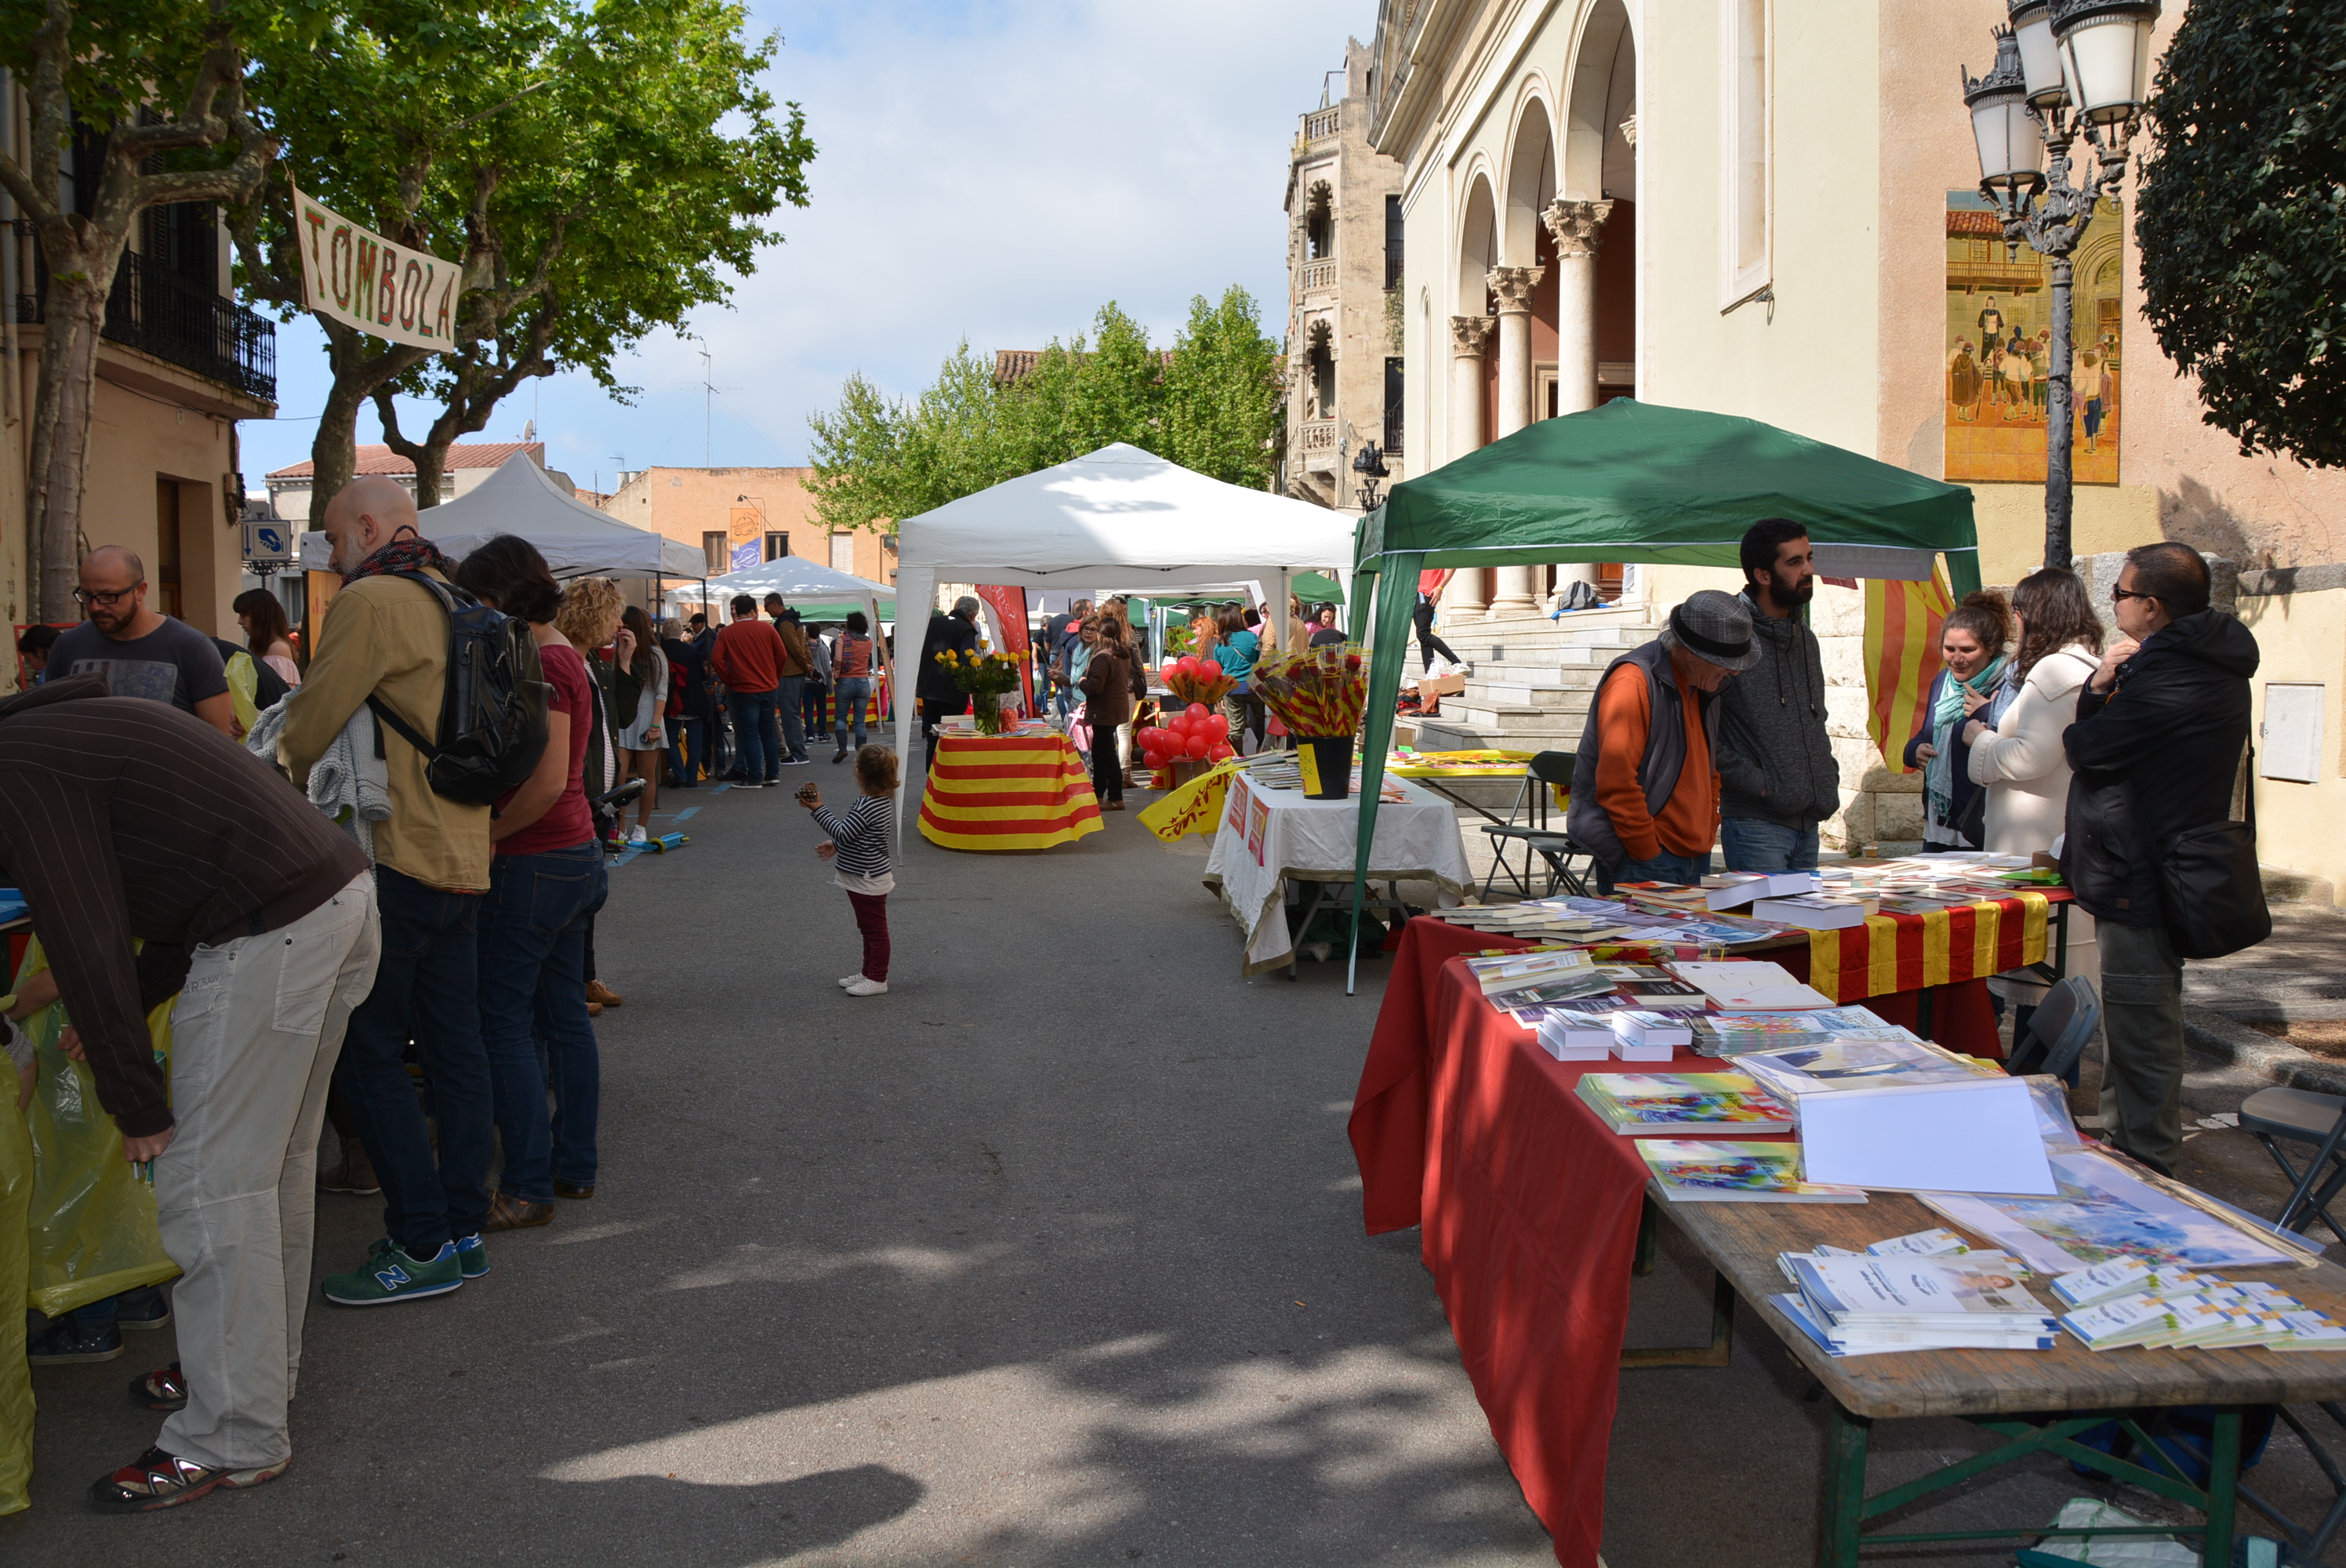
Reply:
x=1530, y=1212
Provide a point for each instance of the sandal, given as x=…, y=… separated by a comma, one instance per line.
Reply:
x=164, y=1390
x=159, y=1480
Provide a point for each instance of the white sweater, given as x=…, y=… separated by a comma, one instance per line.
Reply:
x=2023, y=759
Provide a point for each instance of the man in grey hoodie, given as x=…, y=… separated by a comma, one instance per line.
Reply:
x=1778, y=779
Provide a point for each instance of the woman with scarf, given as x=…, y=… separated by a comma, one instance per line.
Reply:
x=1971, y=648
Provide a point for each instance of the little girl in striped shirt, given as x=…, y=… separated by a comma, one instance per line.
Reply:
x=859, y=842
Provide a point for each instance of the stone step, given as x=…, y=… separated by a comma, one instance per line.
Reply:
x=1456, y=731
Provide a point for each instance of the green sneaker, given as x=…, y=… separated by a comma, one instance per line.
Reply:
x=390, y=1274
x=472, y=1256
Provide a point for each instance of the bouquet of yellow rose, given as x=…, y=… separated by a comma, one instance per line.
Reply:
x=986, y=675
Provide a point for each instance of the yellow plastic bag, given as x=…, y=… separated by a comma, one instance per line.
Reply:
x=91, y=1232
x=15, y=1375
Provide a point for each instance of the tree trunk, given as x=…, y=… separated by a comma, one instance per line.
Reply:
x=72, y=317
x=334, y=451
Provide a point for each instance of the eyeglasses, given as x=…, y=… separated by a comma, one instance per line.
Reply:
x=2118, y=595
x=86, y=597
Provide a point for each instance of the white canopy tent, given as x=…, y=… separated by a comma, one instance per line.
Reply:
x=1117, y=515
x=576, y=540
x=796, y=578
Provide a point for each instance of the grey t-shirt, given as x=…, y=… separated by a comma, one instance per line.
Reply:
x=174, y=663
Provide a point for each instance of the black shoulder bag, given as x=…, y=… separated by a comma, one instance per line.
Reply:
x=2214, y=894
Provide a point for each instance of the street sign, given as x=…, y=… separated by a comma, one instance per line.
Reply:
x=268, y=546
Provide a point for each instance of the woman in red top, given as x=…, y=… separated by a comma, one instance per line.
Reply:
x=545, y=883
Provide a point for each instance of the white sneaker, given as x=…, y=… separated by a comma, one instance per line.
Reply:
x=847, y=980
x=863, y=987
x=636, y=837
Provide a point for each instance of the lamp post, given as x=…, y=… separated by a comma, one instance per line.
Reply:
x=2062, y=67
x=1369, y=463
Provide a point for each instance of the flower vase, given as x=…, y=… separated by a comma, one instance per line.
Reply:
x=992, y=718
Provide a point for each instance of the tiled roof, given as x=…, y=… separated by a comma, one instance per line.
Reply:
x=1967, y=221
x=464, y=455
x=1013, y=364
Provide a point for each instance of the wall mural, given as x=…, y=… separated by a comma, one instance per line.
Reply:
x=1999, y=338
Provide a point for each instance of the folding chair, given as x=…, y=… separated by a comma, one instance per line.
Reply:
x=1528, y=824
x=2301, y=1116
x=2058, y=1030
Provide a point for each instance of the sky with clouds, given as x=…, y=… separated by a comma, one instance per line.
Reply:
x=996, y=170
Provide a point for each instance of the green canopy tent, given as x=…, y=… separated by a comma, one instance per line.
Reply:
x=1634, y=481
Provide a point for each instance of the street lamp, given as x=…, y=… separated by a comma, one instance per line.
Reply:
x=1369, y=462
x=2063, y=67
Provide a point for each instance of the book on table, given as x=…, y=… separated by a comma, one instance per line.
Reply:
x=1836, y=1065
x=1732, y=889
x=1570, y=985
x=1816, y=911
x=1842, y=1342
x=1639, y=1036
x=1944, y=1296
x=1650, y=1104
x=1514, y=971
x=1575, y=1036
x=1692, y=1171
x=1750, y=985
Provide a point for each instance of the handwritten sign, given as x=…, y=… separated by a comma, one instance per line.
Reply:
x=389, y=290
x=1192, y=807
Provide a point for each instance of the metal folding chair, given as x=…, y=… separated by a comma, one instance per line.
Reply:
x=2058, y=1030
x=1528, y=824
x=2302, y=1116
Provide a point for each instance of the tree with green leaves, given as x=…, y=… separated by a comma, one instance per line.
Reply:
x=135, y=104
x=1210, y=403
x=601, y=166
x=2241, y=220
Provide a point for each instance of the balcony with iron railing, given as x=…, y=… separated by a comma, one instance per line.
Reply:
x=155, y=310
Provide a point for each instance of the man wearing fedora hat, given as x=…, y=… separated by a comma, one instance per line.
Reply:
x=1645, y=790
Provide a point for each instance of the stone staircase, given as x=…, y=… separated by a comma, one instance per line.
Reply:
x=1533, y=678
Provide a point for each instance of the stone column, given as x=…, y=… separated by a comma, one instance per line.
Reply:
x=1517, y=585
x=1467, y=335
x=1576, y=226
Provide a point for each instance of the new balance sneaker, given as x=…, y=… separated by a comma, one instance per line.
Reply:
x=863, y=987
x=159, y=1480
x=391, y=1274
x=472, y=1257
x=65, y=1343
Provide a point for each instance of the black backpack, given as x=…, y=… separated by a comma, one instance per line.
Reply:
x=492, y=714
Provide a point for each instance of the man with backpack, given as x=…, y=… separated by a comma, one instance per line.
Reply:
x=387, y=637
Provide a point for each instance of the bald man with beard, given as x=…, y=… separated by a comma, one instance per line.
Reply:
x=386, y=637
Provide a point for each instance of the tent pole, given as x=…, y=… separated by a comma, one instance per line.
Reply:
x=1391, y=605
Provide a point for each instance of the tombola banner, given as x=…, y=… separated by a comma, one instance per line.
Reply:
x=376, y=285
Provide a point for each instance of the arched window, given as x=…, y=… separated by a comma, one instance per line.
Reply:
x=1319, y=362
x=1320, y=221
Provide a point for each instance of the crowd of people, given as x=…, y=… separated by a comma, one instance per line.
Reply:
x=1715, y=731
x=361, y=888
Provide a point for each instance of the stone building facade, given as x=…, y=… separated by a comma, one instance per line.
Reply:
x=1343, y=270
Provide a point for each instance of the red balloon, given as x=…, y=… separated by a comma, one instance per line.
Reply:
x=1198, y=746
x=1200, y=711
x=1220, y=752
x=1210, y=669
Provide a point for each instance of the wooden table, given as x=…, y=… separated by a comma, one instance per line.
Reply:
x=2037, y=1401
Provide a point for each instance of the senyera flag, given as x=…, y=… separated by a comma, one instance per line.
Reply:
x=1902, y=620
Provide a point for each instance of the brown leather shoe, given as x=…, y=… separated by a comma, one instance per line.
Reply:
x=507, y=1212
x=599, y=992
x=594, y=1010
x=564, y=1189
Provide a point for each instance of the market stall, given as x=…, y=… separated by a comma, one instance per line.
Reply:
x=1634, y=481
x=1026, y=789
x=1117, y=515
x=814, y=590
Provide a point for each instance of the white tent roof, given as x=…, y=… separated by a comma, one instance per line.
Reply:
x=793, y=578
x=576, y=539
x=1120, y=515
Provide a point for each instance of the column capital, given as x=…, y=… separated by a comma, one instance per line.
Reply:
x=1468, y=334
x=1574, y=225
x=1513, y=286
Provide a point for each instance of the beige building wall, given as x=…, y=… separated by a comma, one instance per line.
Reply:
x=745, y=504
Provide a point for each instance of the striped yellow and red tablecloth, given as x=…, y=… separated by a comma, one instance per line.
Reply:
x=1894, y=953
x=1008, y=792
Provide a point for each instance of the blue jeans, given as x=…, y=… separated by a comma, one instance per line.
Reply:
x=854, y=696
x=1683, y=870
x=788, y=696
x=1753, y=845
x=813, y=700
x=534, y=1018
x=424, y=991
x=687, y=748
x=754, y=747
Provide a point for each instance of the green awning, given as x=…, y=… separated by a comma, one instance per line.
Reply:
x=1315, y=589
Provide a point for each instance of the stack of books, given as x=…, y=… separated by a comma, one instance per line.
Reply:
x=1695, y=1172
x=1818, y=911
x=1575, y=1037
x=1667, y=1104
x=1750, y=985
x=1733, y=890
x=1866, y=1306
x=1642, y=1036
x=1838, y=1065
x=2128, y=1304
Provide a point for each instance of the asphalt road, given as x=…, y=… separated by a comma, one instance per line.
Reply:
x=1050, y=1257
